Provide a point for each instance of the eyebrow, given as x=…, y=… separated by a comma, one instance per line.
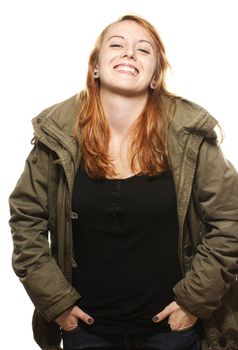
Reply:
x=140, y=41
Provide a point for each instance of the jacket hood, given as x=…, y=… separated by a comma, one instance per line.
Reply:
x=61, y=115
x=189, y=117
x=54, y=125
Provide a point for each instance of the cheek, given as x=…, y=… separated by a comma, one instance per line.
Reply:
x=106, y=57
x=106, y=64
x=151, y=69
x=102, y=60
x=103, y=64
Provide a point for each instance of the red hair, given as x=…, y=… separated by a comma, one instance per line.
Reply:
x=148, y=147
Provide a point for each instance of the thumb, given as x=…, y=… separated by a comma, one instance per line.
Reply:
x=165, y=312
x=79, y=313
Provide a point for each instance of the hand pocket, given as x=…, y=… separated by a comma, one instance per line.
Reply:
x=188, y=330
x=70, y=330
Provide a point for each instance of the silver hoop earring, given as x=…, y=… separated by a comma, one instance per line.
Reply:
x=96, y=74
x=153, y=84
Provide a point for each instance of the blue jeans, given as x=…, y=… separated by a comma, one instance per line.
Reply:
x=80, y=339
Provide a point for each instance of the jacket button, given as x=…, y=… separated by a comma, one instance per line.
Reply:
x=38, y=120
x=222, y=341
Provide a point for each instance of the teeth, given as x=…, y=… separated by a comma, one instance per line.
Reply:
x=127, y=69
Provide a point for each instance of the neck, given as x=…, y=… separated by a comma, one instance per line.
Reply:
x=121, y=111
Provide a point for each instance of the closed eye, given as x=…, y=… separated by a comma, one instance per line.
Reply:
x=116, y=45
x=144, y=51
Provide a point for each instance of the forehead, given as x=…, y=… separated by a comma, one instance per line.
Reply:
x=128, y=29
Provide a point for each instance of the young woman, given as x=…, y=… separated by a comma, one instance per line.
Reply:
x=141, y=208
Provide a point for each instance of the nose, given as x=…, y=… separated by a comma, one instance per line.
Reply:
x=129, y=53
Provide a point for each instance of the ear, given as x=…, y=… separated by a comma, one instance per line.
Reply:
x=96, y=73
x=153, y=84
x=153, y=81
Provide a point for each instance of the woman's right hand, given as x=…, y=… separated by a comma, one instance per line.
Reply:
x=68, y=320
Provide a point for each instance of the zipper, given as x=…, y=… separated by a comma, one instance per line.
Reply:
x=57, y=135
x=189, y=159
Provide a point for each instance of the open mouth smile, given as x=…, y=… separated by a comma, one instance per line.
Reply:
x=126, y=68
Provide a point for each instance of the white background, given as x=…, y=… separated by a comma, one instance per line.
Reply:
x=45, y=46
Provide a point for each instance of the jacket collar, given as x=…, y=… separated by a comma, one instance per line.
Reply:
x=54, y=127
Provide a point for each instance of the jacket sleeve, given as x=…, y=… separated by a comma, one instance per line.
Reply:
x=215, y=264
x=32, y=262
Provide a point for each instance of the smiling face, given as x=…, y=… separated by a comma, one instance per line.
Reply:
x=127, y=59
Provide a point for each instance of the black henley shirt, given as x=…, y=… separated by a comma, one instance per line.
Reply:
x=125, y=239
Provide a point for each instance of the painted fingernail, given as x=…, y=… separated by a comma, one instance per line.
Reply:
x=155, y=318
x=90, y=320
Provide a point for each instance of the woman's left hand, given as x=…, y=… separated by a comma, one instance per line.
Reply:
x=178, y=318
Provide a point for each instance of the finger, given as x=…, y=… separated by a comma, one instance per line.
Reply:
x=82, y=315
x=166, y=312
x=181, y=319
x=70, y=328
x=66, y=319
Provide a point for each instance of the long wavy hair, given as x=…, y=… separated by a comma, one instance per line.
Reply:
x=148, y=146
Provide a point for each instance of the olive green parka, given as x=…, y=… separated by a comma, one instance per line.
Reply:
x=207, y=200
